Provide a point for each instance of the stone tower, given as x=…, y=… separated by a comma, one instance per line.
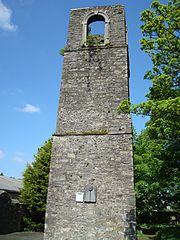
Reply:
x=91, y=195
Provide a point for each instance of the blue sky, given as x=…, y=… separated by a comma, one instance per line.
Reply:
x=31, y=34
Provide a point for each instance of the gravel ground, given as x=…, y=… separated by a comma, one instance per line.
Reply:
x=22, y=236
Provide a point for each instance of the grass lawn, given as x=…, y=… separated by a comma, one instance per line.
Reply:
x=147, y=237
x=163, y=232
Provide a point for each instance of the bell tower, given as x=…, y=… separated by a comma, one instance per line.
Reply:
x=91, y=189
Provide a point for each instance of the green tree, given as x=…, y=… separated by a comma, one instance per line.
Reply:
x=34, y=192
x=148, y=164
x=161, y=41
x=157, y=151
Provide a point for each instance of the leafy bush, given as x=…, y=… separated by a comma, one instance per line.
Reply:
x=34, y=192
x=170, y=232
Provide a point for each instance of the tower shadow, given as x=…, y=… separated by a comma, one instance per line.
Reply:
x=130, y=231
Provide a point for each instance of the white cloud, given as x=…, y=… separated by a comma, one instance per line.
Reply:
x=19, y=157
x=28, y=108
x=2, y=154
x=5, y=18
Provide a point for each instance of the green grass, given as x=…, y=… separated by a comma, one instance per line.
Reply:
x=163, y=232
x=147, y=237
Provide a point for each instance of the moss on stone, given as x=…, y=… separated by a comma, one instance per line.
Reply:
x=96, y=132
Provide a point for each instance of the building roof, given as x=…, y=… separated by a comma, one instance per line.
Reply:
x=10, y=184
x=2, y=191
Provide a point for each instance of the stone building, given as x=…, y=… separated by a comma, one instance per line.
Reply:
x=10, y=209
x=91, y=189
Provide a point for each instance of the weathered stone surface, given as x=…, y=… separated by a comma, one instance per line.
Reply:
x=89, y=95
x=92, y=146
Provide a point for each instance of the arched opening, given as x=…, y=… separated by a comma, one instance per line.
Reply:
x=96, y=29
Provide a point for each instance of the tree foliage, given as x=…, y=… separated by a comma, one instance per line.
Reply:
x=156, y=178
x=157, y=148
x=34, y=192
x=161, y=41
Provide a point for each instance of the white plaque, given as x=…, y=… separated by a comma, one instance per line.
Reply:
x=79, y=196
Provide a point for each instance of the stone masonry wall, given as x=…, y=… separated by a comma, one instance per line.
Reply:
x=92, y=145
x=10, y=214
x=104, y=161
x=117, y=26
x=94, y=81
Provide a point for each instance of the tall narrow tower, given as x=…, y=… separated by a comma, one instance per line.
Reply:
x=91, y=195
